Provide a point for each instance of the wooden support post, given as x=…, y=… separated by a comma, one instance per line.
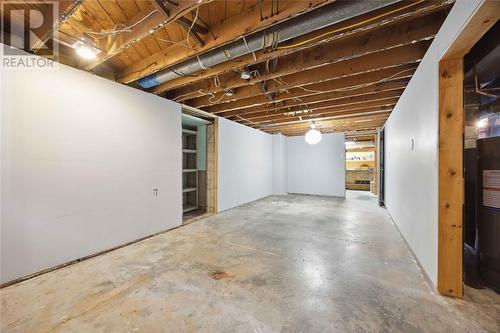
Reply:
x=451, y=181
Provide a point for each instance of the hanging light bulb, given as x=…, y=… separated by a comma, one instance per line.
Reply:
x=313, y=136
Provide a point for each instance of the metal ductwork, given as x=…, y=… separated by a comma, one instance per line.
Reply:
x=316, y=19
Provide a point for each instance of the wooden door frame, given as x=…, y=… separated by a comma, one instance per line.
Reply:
x=451, y=131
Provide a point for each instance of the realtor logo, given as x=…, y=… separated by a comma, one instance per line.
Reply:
x=28, y=30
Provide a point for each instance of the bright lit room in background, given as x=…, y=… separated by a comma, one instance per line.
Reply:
x=250, y=166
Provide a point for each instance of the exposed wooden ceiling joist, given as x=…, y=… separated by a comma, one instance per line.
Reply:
x=340, y=125
x=285, y=105
x=364, y=43
x=420, y=10
x=233, y=28
x=344, y=85
x=309, y=108
x=408, y=54
x=144, y=25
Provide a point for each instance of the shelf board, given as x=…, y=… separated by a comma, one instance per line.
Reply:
x=189, y=208
x=189, y=151
x=189, y=170
x=191, y=132
x=189, y=189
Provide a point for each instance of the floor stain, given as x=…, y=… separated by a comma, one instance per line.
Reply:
x=220, y=275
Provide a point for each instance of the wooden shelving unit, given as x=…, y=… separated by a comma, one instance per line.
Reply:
x=189, y=171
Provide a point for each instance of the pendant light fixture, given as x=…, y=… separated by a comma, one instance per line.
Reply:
x=313, y=136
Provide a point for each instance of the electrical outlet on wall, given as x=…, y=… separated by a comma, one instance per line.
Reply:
x=155, y=192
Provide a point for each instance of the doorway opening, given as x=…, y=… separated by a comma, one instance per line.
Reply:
x=361, y=163
x=199, y=164
x=451, y=180
x=482, y=163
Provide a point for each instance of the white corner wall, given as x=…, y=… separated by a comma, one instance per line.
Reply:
x=411, y=183
x=279, y=165
x=245, y=164
x=316, y=169
x=81, y=156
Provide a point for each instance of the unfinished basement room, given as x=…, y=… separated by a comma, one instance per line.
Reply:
x=250, y=166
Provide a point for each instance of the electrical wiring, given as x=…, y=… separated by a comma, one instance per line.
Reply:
x=182, y=43
x=363, y=85
x=354, y=25
x=115, y=31
x=217, y=101
x=191, y=27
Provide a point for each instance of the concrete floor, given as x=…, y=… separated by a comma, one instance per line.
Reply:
x=282, y=264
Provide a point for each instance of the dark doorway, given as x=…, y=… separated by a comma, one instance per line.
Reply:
x=381, y=194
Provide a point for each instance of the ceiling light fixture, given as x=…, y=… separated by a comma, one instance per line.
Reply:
x=86, y=49
x=482, y=123
x=313, y=136
x=245, y=74
x=229, y=92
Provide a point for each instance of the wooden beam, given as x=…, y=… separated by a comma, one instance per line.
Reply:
x=339, y=50
x=308, y=83
x=328, y=115
x=426, y=8
x=365, y=92
x=366, y=63
x=451, y=128
x=373, y=107
x=357, y=84
x=233, y=28
x=341, y=125
x=148, y=24
x=322, y=121
x=322, y=104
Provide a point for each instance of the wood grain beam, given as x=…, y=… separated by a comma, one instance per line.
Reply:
x=231, y=29
x=364, y=43
x=340, y=125
x=149, y=23
x=333, y=129
x=426, y=8
x=325, y=107
x=336, y=118
x=320, y=103
x=350, y=86
x=406, y=55
x=327, y=112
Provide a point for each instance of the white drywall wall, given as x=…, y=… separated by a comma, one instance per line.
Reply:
x=279, y=164
x=316, y=169
x=411, y=183
x=81, y=156
x=245, y=164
